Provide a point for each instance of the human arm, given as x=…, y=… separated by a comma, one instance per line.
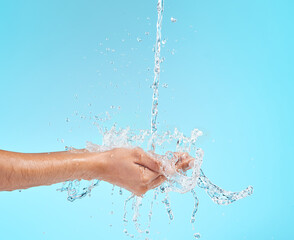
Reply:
x=132, y=169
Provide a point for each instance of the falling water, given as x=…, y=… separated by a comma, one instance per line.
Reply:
x=154, y=111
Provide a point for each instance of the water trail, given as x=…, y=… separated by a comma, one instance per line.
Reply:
x=195, y=206
x=168, y=208
x=125, y=208
x=73, y=189
x=155, y=86
x=221, y=196
x=136, y=207
x=125, y=220
x=151, y=210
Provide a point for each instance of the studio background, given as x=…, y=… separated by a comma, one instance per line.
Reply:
x=228, y=70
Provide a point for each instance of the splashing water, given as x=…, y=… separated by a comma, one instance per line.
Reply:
x=176, y=181
x=151, y=139
x=219, y=195
x=73, y=189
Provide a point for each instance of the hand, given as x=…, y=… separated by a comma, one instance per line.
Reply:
x=136, y=170
x=177, y=162
x=132, y=169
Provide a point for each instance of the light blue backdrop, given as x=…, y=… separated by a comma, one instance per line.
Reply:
x=229, y=69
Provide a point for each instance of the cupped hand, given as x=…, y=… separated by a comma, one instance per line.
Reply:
x=136, y=170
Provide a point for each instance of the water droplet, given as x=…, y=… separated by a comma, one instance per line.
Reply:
x=173, y=19
x=197, y=235
x=165, y=85
x=67, y=120
x=139, y=39
x=147, y=33
x=163, y=41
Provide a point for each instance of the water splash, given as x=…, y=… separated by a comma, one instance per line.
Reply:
x=76, y=191
x=177, y=181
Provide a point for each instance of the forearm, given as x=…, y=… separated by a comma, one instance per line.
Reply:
x=25, y=170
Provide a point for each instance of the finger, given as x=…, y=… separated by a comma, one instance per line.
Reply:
x=148, y=161
x=157, y=182
x=182, y=156
x=184, y=161
x=186, y=165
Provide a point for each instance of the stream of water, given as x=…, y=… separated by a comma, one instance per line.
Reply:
x=155, y=86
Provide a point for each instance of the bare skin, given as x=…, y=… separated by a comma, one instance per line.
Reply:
x=132, y=169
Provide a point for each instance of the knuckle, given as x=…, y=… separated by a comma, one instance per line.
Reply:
x=144, y=179
x=138, y=151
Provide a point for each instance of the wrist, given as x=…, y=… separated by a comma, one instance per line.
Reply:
x=92, y=166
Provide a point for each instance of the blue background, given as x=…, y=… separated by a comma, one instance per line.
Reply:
x=229, y=69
